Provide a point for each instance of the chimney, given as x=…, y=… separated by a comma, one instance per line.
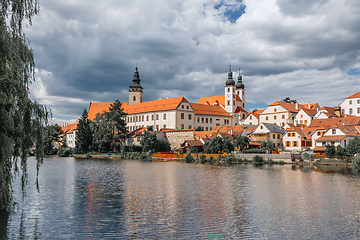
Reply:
x=338, y=111
x=309, y=105
x=297, y=106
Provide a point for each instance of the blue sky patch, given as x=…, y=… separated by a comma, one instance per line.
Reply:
x=354, y=71
x=231, y=11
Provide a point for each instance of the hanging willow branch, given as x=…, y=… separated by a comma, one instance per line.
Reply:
x=21, y=119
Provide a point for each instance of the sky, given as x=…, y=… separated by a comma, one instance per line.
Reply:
x=86, y=50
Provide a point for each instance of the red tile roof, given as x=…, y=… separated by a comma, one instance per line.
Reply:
x=330, y=138
x=156, y=105
x=291, y=107
x=202, y=109
x=328, y=122
x=355, y=95
x=212, y=100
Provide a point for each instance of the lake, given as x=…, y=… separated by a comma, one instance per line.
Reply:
x=133, y=199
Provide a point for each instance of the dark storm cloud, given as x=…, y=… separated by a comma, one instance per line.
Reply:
x=87, y=50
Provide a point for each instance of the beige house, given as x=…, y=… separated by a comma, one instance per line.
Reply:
x=253, y=118
x=304, y=116
x=268, y=131
x=298, y=138
x=280, y=113
x=351, y=105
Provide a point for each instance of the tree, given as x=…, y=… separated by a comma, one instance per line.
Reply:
x=340, y=152
x=218, y=145
x=330, y=151
x=21, y=119
x=268, y=145
x=149, y=142
x=116, y=118
x=102, y=133
x=52, y=135
x=353, y=146
x=288, y=100
x=84, y=135
x=241, y=142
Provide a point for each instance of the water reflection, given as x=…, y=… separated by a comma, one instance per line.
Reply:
x=96, y=199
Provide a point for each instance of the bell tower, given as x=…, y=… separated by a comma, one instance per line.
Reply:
x=240, y=90
x=230, y=94
x=135, y=90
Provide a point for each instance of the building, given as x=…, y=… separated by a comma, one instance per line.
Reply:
x=70, y=134
x=268, y=131
x=253, y=118
x=351, y=105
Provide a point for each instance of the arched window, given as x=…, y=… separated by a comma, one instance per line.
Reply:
x=134, y=98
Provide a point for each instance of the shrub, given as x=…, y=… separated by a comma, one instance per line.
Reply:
x=356, y=163
x=189, y=158
x=255, y=150
x=258, y=159
x=64, y=152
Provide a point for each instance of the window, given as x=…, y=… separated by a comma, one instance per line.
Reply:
x=133, y=118
x=358, y=101
x=207, y=128
x=342, y=111
x=267, y=118
x=224, y=121
x=301, y=121
x=233, y=102
x=283, y=124
x=210, y=128
x=157, y=127
x=207, y=120
x=157, y=116
x=250, y=117
x=182, y=126
x=283, y=116
x=289, y=134
x=350, y=111
x=350, y=102
x=152, y=117
x=134, y=98
x=189, y=126
x=305, y=121
x=275, y=117
x=136, y=118
x=228, y=89
x=273, y=136
x=142, y=118
x=261, y=127
x=210, y=121
x=278, y=136
x=182, y=106
x=187, y=107
x=164, y=116
x=238, y=93
x=318, y=133
x=293, y=134
x=295, y=143
x=164, y=126
x=358, y=110
x=274, y=109
x=333, y=131
x=301, y=116
x=182, y=116
x=228, y=102
x=189, y=116
x=202, y=120
x=198, y=119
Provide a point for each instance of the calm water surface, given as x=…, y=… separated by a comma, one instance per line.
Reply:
x=123, y=199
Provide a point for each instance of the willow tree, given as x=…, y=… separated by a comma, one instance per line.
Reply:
x=21, y=119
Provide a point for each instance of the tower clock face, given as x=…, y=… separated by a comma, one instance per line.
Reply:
x=227, y=95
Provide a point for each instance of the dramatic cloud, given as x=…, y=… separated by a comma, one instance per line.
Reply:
x=86, y=50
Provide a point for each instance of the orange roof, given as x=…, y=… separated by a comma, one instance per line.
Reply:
x=99, y=107
x=212, y=100
x=203, y=109
x=330, y=138
x=136, y=132
x=156, y=105
x=203, y=134
x=175, y=130
x=355, y=95
x=299, y=130
x=328, y=122
x=69, y=128
x=310, y=112
x=330, y=111
x=288, y=106
x=312, y=106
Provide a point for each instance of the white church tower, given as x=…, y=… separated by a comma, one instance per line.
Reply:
x=230, y=93
x=240, y=90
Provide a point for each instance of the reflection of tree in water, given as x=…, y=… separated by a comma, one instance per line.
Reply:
x=4, y=216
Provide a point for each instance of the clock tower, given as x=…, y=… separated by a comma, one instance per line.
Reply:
x=135, y=90
x=230, y=93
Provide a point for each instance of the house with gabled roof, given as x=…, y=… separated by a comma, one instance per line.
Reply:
x=280, y=113
x=297, y=138
x=253, y=118
x=327, y=112
x=351, y=105
x=70, y=133
x=304, y=116
x=338, y=135
x=268, y=131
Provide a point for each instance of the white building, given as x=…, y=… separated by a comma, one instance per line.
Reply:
x=351, y=105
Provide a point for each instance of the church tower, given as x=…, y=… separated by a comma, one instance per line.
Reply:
x=135, y=90
x=230, y=93
x=240, y=90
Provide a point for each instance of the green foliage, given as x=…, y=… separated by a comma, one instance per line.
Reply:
x=132, y=148
x=218, y=144
x=340, y=152
x=149, y=142
x=64, y=152
x=150, y=128
x=356, y=163
x=84, y=135
x=107, y=127
x=199, y=128
x=21, y=120
x=288, y=100
x=52, y=135
x=189, y=158
x=258, y=159
x=241, y=142
x=353, y=146
x=268, y=145
x=195, y=149
x=330, y=151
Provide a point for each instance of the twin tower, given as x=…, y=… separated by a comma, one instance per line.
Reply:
x=234, y=92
